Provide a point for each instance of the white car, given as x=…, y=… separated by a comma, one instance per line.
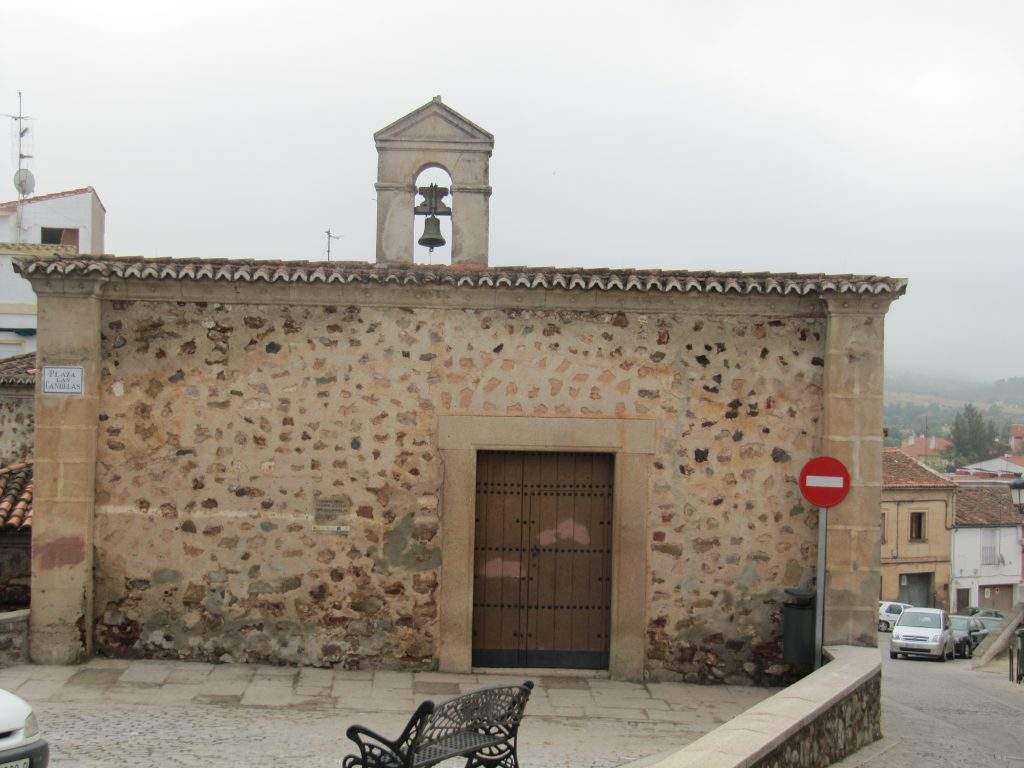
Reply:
x=889, y=613
x=923, y=632
x=20, y=743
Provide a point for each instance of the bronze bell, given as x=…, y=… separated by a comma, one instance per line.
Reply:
x=431, y=237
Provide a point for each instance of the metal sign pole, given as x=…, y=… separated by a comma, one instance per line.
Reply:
x=819, y=584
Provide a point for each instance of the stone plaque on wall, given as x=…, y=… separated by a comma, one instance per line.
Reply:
x=330, y=514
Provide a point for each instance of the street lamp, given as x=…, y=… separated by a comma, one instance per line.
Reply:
x=1017, y=494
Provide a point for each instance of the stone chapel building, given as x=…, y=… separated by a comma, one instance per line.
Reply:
x=394, y=465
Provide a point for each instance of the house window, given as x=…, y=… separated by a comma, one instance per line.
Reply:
x=58, y=236
x=989, y=546
x=883, y=527
x=917, y=526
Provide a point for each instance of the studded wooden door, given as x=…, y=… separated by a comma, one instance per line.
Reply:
x=542, y=560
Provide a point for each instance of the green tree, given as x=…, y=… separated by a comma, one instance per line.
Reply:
x=973, y=436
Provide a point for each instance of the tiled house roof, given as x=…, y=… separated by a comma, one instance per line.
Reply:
x=20, y=369
x=654, y=281
x=983, y=505
x=926, y=446
x=901, y=471
x=16, y=496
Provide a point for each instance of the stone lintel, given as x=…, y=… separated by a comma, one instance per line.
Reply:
x=512, y=433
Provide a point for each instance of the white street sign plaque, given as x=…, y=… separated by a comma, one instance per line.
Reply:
x=62, y=379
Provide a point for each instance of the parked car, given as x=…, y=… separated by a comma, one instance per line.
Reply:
x=21, y=745
x=968, y=632
x=889, y=613
x=923, y=632
x=992, y=618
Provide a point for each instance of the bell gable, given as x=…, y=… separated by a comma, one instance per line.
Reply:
x=435, y=123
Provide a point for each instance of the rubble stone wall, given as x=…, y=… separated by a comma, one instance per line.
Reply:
x=15, y=567
x=13, y=637
x=851, y=724
x=222, y=423
x=17, y=423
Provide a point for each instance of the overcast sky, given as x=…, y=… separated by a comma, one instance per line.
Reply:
x=841, y=137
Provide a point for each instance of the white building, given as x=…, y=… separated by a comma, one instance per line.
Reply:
x=75, y=218
x=64, y=222
x=987, y=542
x=1001, y=465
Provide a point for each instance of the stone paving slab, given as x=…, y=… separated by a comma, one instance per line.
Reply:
x=95, y=714
x=268, y=686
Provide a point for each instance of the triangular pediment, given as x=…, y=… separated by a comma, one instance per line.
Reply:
x=436, y=122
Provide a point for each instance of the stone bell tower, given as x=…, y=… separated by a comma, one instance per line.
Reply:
x=433, y=136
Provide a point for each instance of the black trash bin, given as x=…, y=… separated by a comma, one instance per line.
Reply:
x=798, y=629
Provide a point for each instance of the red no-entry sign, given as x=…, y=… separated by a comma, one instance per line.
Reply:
x=824, y=481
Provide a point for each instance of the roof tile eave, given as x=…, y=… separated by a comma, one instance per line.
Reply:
x=603, y=279
x=18, y=370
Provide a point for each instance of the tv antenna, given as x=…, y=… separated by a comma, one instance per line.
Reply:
x=331, y=236
x=24, y=181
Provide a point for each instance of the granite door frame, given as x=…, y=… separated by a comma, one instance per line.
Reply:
x=631, y=441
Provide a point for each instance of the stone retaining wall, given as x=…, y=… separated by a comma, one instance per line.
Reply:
x=813, y=723
x=13, y=637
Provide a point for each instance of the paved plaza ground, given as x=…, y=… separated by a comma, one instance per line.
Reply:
x=152, y=713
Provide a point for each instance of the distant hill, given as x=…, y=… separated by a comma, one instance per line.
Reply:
x=1010, y=391
x=1004, y=391
x=916, y=404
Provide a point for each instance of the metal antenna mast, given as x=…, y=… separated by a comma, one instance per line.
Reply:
x=331, y=236
x=23, y=180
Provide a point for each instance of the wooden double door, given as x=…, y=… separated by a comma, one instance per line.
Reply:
x=542, y=560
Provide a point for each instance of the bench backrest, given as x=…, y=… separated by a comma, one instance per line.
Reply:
x=489, y=710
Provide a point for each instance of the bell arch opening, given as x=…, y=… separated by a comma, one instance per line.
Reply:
x=442, y=224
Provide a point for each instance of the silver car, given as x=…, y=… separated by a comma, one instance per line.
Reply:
x=923, y=632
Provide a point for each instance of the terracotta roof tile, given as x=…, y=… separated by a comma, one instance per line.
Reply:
x=16, y=496
x=20, y=369
x=901, y=471
x=554, y=278
x=978, y=505
x=926, y=446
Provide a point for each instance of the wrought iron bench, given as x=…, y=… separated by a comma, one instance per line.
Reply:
x=480, y=726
